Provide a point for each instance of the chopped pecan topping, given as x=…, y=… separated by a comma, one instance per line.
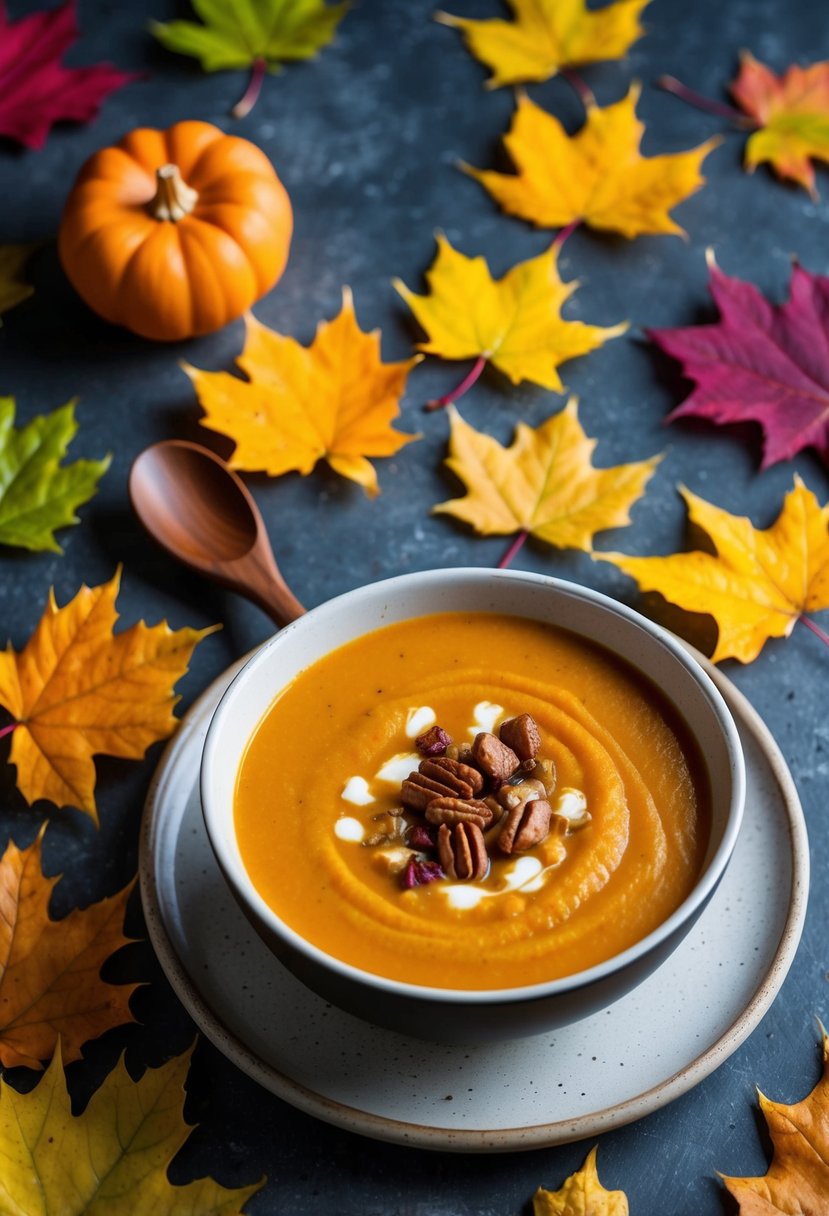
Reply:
x=447, y=770
x=390, y=826
x=525, y=826
x=493, y=758
x=459, y=810
x=437, y=770
x=462, y=851
x=522, y=735
x=511, y=796
x=417, y=791
x=433, y=742
x=460, y=751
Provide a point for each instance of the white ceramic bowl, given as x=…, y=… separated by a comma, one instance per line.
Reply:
x=451, y=1014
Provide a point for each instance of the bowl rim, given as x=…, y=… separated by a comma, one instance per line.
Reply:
x=247, y=894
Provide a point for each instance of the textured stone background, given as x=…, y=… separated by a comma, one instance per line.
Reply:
x=366, y=139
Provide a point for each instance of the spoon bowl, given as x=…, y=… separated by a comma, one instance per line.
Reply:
x=190, y=501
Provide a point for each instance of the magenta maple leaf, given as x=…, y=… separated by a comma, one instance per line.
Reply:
x=35, y=89
x=760, y=362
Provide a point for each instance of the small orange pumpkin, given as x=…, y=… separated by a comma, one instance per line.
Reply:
x=174, y=233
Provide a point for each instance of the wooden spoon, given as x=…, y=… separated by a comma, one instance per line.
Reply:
x=202, y=513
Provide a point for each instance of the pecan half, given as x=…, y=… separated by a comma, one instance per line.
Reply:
x=459, y=810
x=493, y=758
x=417, y=791
x=462, y=851
x=433, y=742
x=522, y=735
x=450, y=771
x=525, y=826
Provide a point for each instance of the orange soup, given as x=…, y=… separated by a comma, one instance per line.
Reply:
x=609, y=844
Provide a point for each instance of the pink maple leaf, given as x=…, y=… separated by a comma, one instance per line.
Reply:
x=760, y=362
x=35, y=89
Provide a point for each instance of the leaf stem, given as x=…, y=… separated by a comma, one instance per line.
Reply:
x=469, y=379
x=565, y=232
x=816, y=629
x=577, y=83
x=671, y=85
x=7, y=730
x=246, y=103
x=513, y=549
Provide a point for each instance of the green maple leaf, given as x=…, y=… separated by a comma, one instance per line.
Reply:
x=252, y=33
x=37, y=494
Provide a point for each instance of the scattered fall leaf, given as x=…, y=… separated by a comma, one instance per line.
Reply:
x=547, y=35
x=334, y=400
x=792, y=112
x=13, y=289
x=760, y=363
x=109, y=1161
x=513, y=322
x=50, y=970
x=543, y=485
x=797, y=1181
x=37, y=494
x=36, y=91
x=252, y=33
x=758, y=584
x=596, y=176
x=77, y=690
x=581, y=1195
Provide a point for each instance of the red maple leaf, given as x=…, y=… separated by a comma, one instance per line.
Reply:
x=760, y=362
x=35, y=89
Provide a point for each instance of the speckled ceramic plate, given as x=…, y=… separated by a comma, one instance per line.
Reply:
x=607, y=1070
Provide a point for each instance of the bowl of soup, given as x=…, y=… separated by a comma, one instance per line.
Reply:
x=471, y=804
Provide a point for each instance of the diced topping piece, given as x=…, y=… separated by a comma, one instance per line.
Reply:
x=421, y=837
x=494, y=759
x=434, y=742
x=522, y=735
x=417, y=873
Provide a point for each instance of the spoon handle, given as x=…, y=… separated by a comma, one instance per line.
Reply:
x=259, y=579
x=279, y=603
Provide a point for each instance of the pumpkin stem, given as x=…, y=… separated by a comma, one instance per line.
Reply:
x=173, y=199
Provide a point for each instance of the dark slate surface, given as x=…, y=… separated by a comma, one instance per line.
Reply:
x=366, y=139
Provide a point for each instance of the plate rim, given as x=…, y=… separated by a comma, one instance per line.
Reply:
x=531, y=1136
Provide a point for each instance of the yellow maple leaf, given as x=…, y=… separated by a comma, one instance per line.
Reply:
x=596, y=176
x=109, y=1161
x=797, y=1181
x=543, y=484
x=547, y=35
x=50, y=970
x=77, y=690
x=581, y=1195
x=13, y=290
x=758, y=584
x=792, y=111
x=513, y=322
x=334, y=400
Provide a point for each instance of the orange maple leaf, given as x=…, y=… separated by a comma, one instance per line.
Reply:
x=792, y=111
x=547, y=35
x=77, y=690
x=544, y=484
x=797, y=1181
x=50, y=971
x=596, y=176
x=757, y=584
x=334, y=400
x=581, y=1195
